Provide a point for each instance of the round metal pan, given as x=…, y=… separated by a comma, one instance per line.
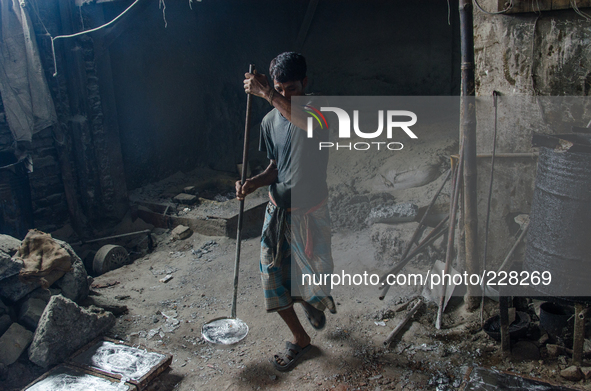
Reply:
x=224, y=331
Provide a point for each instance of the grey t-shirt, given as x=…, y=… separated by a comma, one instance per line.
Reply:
x=301, y=165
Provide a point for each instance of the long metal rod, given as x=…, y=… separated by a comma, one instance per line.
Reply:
x=403, y=323
x=510, y=254
x=488, y=205
x=242, y=180
x=430, y=238
x=451, y=233
x=468, y=131
x=509, y=155
x=416, y=233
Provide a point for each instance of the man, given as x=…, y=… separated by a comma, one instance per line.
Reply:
x=296, y=232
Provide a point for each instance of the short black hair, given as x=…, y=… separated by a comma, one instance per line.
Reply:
x=288, y=66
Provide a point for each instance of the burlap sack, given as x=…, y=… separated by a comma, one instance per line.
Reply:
x=45, y=259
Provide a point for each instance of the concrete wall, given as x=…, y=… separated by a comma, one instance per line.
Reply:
x=180, y=100
x=76, y=159
x=523, y=56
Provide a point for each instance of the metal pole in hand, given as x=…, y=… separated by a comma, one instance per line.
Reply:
x=242, y=180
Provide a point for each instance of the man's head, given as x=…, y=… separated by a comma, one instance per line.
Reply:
x=288, y=71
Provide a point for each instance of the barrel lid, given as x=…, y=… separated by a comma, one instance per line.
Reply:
x=566, y=142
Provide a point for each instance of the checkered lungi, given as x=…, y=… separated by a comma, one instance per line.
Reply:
x=295, y=243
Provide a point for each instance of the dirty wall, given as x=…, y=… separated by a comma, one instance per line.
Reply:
x=522, y=56
x=180, y=101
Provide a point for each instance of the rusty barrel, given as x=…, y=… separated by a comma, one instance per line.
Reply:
x=559, y=237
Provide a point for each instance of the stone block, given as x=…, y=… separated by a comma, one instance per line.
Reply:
x=43, y=294
x=13, y=343
x=181, y=232
x=107, y=304
x=74, y=284
x=190, y=190
x=31, y=312
x=5, y=323
x=3, y=308
x=9, y=266
x=572, y=373
x=185, y=199
x=64, y=328
x=392, y=214
x=9, y=245
x=586, y=372
x=12, y=289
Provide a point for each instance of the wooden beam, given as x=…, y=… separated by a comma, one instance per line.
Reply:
x=520, y=6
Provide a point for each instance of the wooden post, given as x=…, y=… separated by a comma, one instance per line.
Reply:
x=468, y=131
x=579, y=337
x=504, y=314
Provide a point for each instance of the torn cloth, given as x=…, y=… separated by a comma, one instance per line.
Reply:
x=45, y=260
x=27, y=102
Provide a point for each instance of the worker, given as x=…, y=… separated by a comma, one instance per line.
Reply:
x=296, y=233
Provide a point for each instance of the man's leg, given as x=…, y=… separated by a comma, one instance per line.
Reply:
x=300, y=337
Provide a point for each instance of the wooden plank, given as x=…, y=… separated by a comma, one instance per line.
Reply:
x=525, y=6
x=560, y=4
x=566, y=4
x=81, y=361
x=113, y=181
x=504, y=314
x=520, y=6
x=45, y=382
x=579, y=334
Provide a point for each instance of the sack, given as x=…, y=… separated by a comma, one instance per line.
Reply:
x=45, y=259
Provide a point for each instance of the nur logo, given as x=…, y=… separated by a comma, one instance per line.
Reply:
x=390, y=117
x=316, y=114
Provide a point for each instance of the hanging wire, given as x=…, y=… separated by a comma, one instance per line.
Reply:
x=81, y=17
x=162, y=5
x=53, y=39
x=494, y=13
x=578, y=11
x=489, y=202
x=36, y=10
x=448, y=14
x=533, y=53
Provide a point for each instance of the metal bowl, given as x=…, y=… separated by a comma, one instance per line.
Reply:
x=224, y=331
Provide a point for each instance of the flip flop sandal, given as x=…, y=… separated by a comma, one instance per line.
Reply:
x=291, y=350
x=312, y=319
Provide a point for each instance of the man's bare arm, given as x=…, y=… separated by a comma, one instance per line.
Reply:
x=265, y=178
x=258, y=85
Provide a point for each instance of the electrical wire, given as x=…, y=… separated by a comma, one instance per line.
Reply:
x=533, y=53
x=578, y=11
x=36, y=10
x=494, y=13
x=162, y=5
x=53, y=39
x=489, y=202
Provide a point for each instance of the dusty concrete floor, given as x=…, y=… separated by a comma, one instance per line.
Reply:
x=348, y=354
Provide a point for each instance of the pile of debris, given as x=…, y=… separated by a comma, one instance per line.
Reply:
x=42, y=283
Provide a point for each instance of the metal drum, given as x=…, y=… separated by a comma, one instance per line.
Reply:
x=16, y=209
x=559, y=237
